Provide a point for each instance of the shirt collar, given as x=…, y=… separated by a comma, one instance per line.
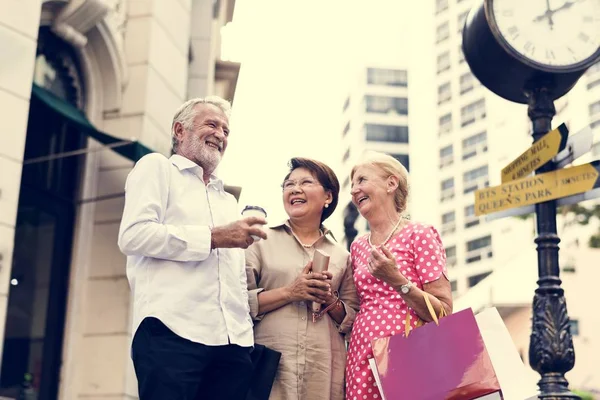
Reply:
x=184, y=163
x=286, y=224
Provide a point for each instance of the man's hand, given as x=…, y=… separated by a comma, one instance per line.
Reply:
x=238, y=234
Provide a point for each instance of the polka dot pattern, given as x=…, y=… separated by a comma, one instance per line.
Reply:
x=421, y=258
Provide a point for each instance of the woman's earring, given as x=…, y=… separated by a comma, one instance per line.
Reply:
x=389, y=191
x=326, y=205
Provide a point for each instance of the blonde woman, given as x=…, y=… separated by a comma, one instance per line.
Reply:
x=394, y=266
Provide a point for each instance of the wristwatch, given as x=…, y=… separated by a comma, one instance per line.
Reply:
x=406, y=287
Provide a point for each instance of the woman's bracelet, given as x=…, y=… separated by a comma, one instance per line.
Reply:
x=337, y=303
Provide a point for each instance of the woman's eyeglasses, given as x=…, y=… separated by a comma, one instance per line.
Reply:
x=290, y=184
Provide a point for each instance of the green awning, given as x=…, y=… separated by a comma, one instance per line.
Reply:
x=132, y=150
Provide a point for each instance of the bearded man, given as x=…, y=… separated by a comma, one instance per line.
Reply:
x=185, y=265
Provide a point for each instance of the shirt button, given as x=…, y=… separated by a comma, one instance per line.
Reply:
x=301, y=346
x=303, y=318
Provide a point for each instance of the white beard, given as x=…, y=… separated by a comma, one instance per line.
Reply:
x=208, y=157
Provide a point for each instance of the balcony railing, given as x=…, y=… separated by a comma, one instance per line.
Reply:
x=450, y=261
x=446, y=160
x=447, y=194
x=473, y=150
x=472, y=186
x=478, y=254
x=471, y=220
x=448, y=228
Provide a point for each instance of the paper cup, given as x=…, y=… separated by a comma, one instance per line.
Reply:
x=254, y=211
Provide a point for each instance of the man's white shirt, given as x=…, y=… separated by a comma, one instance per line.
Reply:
x=200, y=294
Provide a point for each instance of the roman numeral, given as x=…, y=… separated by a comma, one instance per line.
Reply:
x=583, y=37
x=550, y=54
x=513, y=31
x=529, y=47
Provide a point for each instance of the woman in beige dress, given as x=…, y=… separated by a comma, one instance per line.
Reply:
x=281, y=288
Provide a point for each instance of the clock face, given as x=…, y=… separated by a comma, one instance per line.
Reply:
x=552, y=33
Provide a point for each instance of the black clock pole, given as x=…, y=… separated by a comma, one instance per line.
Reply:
x=515, y=77
x=551, y=351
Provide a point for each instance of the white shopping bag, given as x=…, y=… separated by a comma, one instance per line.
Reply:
x=510, y=370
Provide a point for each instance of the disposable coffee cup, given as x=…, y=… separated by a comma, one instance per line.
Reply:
x=254, y=211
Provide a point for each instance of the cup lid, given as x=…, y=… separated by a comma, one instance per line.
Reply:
x=257, y=208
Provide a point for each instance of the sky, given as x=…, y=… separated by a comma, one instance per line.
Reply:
x=298, y=60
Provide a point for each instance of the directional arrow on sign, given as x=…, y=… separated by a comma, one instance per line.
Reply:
x=542, y=151
x=538, y=188
x=577, y=145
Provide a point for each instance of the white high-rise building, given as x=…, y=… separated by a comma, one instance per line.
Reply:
x=375, y=117
x=478, y=133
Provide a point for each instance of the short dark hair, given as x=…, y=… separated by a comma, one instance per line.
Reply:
x=324, y=175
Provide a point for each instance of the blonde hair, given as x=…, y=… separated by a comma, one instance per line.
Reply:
x=389, y=166
x=187, y=112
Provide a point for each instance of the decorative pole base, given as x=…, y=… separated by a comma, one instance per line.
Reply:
x=551, y=351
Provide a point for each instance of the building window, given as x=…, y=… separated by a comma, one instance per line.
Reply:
x=475, y=179
x=444, y=93
x=453, y=286
x=346, y=104
x=387, y=77
x=470, y=218
x=473, y=145
x=467, y=82
x=442, y=32
x=443, y=62
x=574, y=325
x=475, y=279
x=448, y=223
x=346, y=129
x=384, y=104
x=595, y=124
x=451, y=256
x=447, y=189
x=479, y=249
x=403, y=158
x=446, y=156
x=445, y=124
x=386, y=133
x=461, y=21
x=594, y=108
x=472, y=112
x=461, y=55
x=440, y=5
x=346, y=155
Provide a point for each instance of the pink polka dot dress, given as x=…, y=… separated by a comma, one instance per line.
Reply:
x=421, y=258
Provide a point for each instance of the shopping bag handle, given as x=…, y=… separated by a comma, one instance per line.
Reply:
x=434, y=317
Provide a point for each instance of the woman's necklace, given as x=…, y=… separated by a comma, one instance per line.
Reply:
x=308, y=246
x=388, y=236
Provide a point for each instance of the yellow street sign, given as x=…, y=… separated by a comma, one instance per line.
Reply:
x=538, y=188
x=537, y=155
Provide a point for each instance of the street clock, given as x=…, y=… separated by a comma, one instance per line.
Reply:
x=513, y=45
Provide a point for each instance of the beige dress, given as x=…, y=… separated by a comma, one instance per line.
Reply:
x=313, y=354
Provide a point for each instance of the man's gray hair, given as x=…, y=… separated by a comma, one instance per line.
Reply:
x=186, y=113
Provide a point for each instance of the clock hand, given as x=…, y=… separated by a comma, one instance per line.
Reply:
x=547, y=14
x=567, y=4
